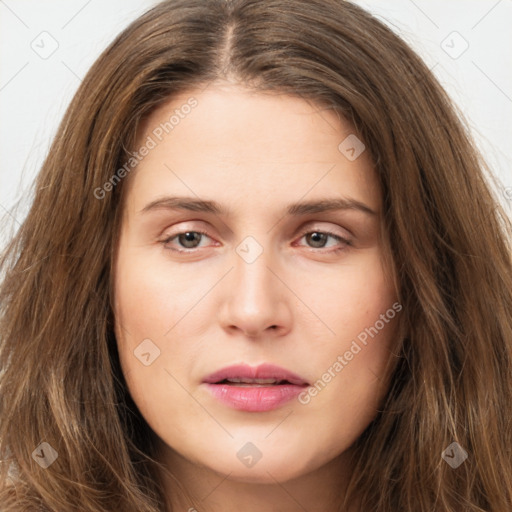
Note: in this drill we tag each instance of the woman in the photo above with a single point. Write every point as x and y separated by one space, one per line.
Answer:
263 269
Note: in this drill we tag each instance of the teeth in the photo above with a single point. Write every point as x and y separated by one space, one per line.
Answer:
253 381
244 385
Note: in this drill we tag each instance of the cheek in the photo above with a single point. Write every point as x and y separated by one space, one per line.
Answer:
143 314
144 299
152 307
350 299
357 305
154 300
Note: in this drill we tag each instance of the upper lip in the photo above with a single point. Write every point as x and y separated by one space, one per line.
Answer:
249 373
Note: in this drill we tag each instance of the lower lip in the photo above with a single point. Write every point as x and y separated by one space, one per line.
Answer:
255 398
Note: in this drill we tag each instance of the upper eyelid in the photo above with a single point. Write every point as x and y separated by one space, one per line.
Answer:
310 226
333 231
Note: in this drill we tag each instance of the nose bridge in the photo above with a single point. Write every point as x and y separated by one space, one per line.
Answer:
254 301
254 280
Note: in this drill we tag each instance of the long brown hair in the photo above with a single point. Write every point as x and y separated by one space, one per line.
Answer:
449 240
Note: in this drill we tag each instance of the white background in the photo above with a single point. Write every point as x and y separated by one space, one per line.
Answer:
35 91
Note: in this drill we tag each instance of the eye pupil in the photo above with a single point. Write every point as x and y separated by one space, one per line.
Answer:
189 237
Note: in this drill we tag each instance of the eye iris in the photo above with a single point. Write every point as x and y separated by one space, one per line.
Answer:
189 237
314 236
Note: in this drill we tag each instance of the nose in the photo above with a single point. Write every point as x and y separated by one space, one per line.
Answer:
255 301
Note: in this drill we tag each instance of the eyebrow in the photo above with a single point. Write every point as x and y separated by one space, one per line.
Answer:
294 209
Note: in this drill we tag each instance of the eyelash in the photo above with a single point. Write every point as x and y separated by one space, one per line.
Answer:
345 241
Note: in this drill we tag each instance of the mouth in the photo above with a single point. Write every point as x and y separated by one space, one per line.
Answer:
254 389
265 374
254 382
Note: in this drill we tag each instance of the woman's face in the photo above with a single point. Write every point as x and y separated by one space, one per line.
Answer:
251 237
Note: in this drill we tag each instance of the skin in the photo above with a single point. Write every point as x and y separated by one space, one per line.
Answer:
254 154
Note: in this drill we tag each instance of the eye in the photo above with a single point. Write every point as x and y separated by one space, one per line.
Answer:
187 240
190 240
318 239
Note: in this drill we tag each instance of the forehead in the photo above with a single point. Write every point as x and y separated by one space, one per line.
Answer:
242 143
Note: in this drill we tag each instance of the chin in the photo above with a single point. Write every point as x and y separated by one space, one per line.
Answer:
278 466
